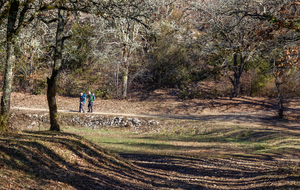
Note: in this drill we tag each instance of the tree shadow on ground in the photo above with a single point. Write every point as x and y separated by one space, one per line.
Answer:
240 118
77 163
32 156
100 171
240 105
216 173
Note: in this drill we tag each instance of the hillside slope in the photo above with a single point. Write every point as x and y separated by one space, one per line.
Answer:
45 160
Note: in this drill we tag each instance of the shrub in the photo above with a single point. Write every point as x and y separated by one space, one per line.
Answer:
262 79
103 92
189 92
40 87
260 85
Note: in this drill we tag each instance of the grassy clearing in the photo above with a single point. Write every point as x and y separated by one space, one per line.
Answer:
194 138
216 155
178 155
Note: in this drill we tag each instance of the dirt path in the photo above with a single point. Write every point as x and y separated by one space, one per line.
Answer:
239 116
163 104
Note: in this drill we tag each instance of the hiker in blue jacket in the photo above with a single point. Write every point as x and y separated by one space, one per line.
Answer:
81 102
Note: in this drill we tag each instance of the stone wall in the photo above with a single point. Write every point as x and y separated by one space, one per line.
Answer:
35 121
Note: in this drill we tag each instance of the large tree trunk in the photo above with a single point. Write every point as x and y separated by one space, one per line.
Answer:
125 82
236 86
51 92
280 99
7 86
8 75
117 79
279 95
126 53
238 70
236 79
30 81
53 81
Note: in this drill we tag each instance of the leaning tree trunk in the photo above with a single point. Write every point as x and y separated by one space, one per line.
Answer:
8 75
53 81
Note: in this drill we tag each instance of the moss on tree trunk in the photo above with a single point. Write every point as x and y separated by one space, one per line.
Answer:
7 87
9 65
51 92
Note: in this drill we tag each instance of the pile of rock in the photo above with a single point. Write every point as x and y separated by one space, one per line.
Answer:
35 121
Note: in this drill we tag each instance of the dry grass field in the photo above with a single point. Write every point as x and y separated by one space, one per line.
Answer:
199 144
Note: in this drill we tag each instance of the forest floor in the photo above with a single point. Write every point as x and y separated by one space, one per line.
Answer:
219 143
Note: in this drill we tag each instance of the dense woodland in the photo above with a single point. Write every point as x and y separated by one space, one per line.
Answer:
118 47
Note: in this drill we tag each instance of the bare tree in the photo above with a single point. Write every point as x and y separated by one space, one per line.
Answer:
126 33
239 31
231 34
282 50
122 10
30 45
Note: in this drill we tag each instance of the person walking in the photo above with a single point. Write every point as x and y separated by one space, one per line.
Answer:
81 102
91 101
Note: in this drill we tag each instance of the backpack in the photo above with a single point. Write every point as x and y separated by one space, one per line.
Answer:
94 97
84 97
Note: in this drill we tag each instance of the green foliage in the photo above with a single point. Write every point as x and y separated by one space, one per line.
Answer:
174 65
103 92
78 46
291 82
3 123
259 84
215 61
262 78
260 146
70 88
40 87
20 75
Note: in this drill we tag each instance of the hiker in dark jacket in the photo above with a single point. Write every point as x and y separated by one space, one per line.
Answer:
91 101
81 102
